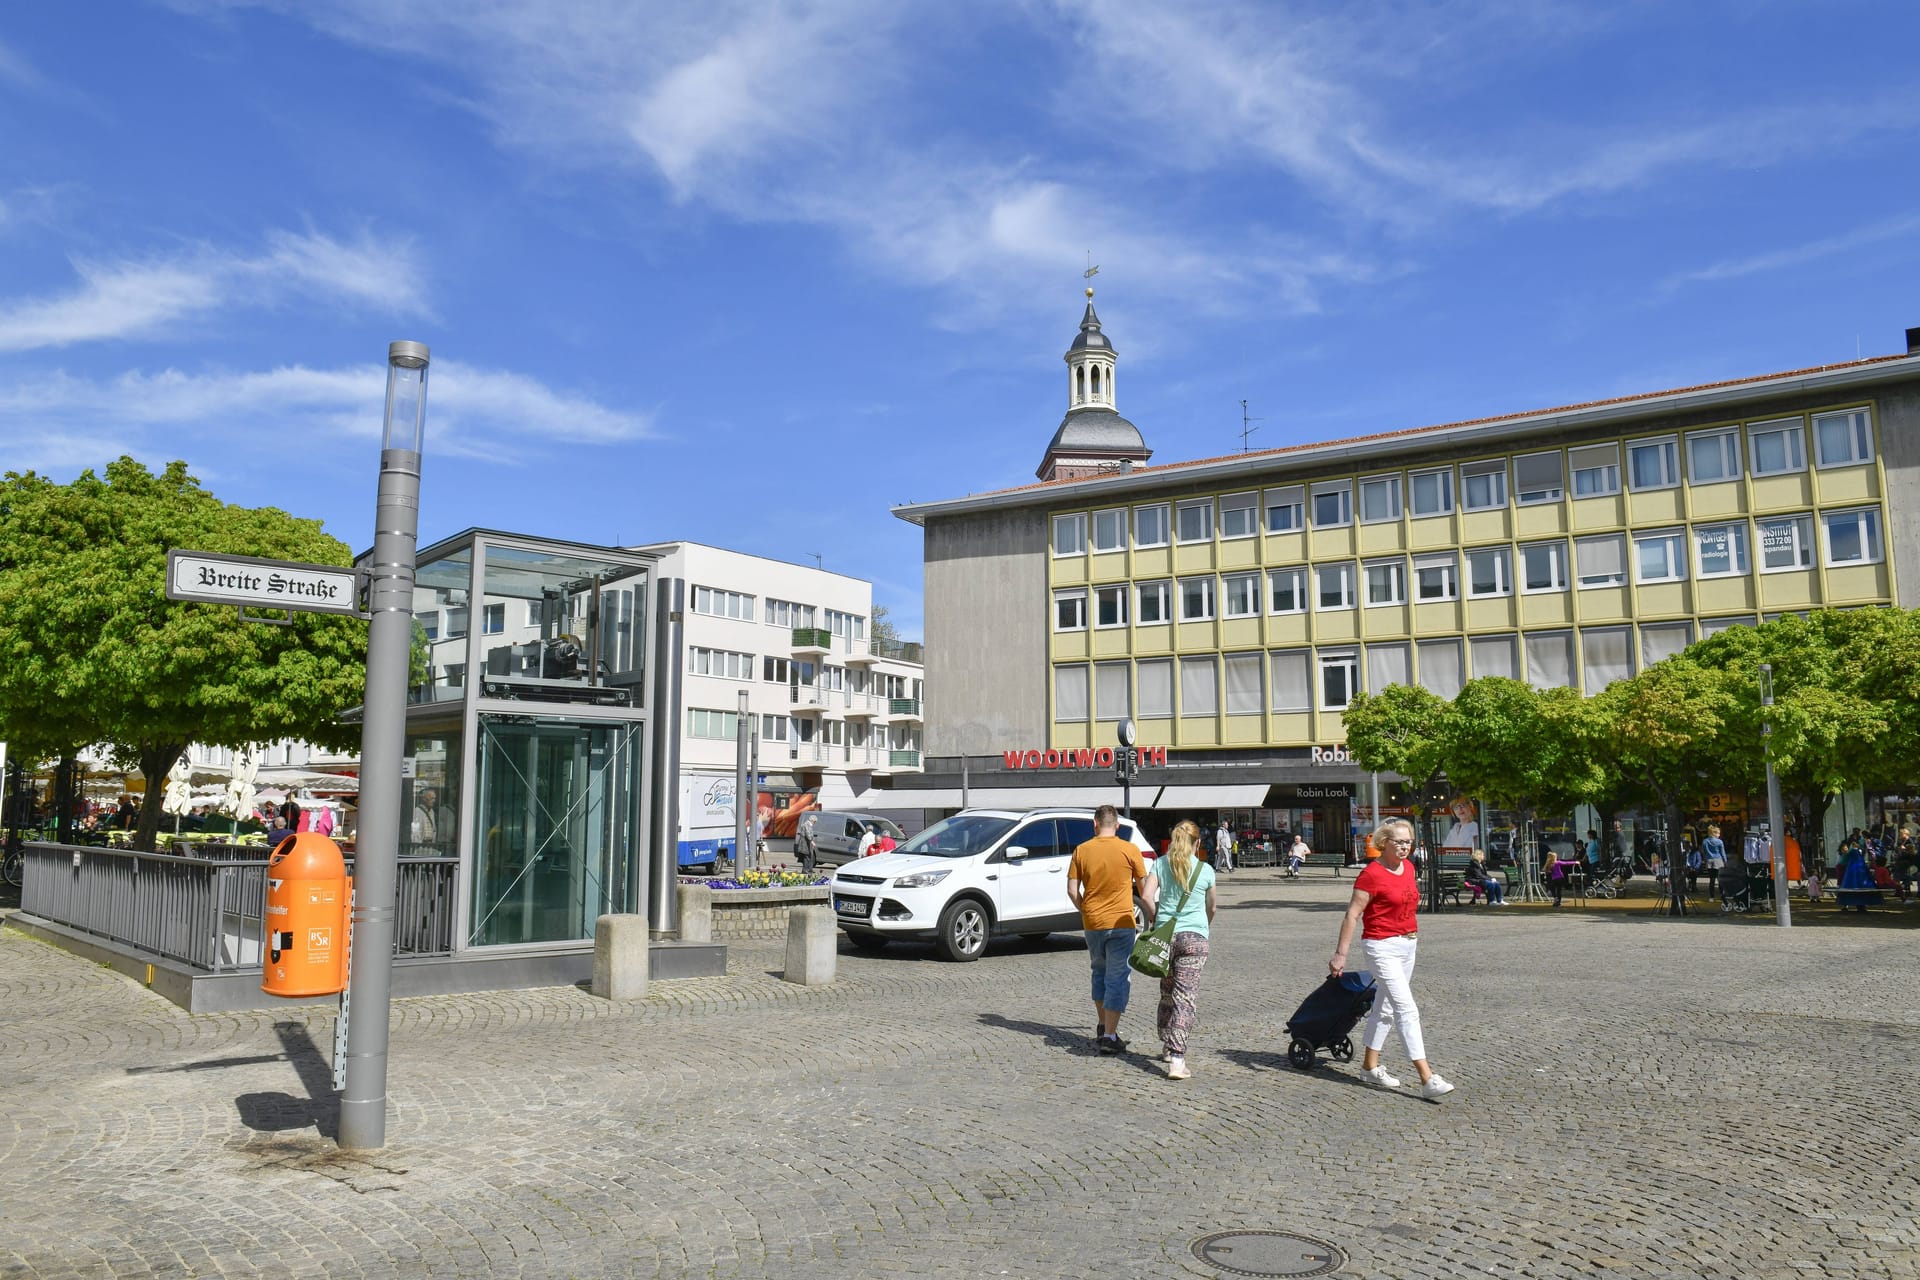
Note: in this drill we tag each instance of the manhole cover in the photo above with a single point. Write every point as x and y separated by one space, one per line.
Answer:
1268 1253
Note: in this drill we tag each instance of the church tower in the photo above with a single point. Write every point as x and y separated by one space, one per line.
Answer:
1093 437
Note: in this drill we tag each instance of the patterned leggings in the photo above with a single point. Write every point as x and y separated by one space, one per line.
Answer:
1177 990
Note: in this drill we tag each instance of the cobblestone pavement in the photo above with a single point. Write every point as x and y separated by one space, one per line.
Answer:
1637 1097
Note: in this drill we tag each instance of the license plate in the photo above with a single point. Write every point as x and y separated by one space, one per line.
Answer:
852 906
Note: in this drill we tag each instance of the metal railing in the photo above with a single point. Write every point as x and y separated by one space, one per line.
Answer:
207 910
903 759
903 706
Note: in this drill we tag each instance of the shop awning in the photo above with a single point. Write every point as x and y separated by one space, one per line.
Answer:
1229 795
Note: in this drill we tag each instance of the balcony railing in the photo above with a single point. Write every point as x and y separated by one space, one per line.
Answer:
904 650
903 706
812 638
904 759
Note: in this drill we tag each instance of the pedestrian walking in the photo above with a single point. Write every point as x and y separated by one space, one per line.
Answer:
1384 908
803 841
1102 878
1188 890
1223 847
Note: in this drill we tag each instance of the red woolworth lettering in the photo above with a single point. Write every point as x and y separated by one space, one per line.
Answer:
1014 759
1031 760
1153 755
1103 758
1051 760
1083 758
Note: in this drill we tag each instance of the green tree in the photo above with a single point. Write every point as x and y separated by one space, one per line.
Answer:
881 631
92 651
1522 748
1402 729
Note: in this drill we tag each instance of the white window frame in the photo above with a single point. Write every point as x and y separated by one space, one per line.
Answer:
1067 670
1341 489
1247 582
1345 569
1503 556
1246 505
1306 670
1867 521
1212 598
1396 508
1396 580
1619 580
1859 439
1676 541
493 618
1559 549
1727 446
1669 447
1140 685
1737 541
1441 476
1077 595
1208 662
1327 662
1165 515
1231 662
1540 496
1300 589
1180 509
1110 669
1803 540
1292 498
1496 472
1163 589
1077 524
1609 471
1119 592
1117 516
1794 428
1448 563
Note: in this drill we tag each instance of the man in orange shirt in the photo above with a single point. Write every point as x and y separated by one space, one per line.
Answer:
1102 879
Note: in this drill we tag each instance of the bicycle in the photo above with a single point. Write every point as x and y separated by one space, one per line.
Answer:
13 866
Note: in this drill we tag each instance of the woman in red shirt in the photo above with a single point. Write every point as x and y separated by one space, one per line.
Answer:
1385 900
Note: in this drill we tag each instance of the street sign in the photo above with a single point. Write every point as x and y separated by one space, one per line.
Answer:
267 584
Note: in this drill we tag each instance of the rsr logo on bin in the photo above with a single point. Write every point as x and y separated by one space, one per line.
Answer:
319 939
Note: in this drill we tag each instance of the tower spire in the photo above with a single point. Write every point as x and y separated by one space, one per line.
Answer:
1093 437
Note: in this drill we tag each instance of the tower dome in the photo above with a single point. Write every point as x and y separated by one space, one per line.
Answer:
1093 437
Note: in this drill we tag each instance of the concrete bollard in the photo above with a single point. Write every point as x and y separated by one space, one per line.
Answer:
696 913
620 957
813 946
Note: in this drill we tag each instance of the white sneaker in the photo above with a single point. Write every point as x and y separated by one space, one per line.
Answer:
1435 1087
1379 1076
1177 1069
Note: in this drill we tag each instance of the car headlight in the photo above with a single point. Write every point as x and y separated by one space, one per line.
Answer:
921 879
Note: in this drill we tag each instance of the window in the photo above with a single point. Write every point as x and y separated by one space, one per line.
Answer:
775 729
785 613
1786 542
1659 557
1596 470
1537 477
1841 439
1387 582
1608 654
1601 562
1776 447
1110 606
429 624
493 619
1436 577
1070 534
1432 492
1245 697
1069 611
1287 591
1196 599
1332 504
721 662
1292 687
1488 572
1194 520
1069 693
775 670
1663 641
1240 595
712 724
1543 566
1853 537
1109 530
1494 656
1239 515
1440 667
726 604
850 625
1334 583
1654 464
1380 499
1720 550
1284 514
1713 457
1155 688
1112 691
1150 526
1339 680
1550 660
1387 664
1199 687
1155 605
1483 485
456 622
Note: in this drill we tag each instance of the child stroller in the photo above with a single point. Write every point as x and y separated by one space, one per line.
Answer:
1326 1018
1734 894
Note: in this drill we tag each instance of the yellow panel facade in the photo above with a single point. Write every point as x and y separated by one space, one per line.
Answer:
1486 526
1285 548
1546 609
1336 627
1604 604
1382 539
1193 557
1199 731
1858 584
1284 629
1381 622
1239 553
1069 645
1153 733
1195 637
1782 493
1432 533
1847 486
1111 641
1789 591
1725 595
1240 633
1152 562
1593 514
1109 566
1665 599
1438 618
1495 613
1541 520
1711 500
1072 734
1069 571
1332 544
1153 639
1656 506
1246 731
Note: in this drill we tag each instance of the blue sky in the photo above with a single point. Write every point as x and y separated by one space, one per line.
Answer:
751 273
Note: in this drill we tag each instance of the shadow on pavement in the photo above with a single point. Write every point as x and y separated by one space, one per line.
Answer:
279 1112
1076 1042
1271 904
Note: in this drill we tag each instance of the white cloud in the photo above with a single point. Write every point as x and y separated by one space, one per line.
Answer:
1797 255
144 299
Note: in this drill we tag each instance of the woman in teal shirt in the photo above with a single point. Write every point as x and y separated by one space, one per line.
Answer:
1188 878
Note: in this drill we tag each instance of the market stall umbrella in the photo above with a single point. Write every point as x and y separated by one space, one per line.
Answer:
240 793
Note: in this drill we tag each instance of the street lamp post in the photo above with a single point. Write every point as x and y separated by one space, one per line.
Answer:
1125 763
1776 828
383 741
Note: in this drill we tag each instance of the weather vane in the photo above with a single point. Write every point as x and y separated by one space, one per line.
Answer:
1091 270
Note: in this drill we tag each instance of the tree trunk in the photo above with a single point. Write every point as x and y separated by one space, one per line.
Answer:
156 761
64 792
1813 840
1676 864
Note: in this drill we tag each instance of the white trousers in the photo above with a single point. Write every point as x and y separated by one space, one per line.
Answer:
1391 960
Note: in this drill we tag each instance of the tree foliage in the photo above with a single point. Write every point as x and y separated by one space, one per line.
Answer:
92 651
1402 729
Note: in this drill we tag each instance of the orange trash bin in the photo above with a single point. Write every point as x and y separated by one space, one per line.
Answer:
306 918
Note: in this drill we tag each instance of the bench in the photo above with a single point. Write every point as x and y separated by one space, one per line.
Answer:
1453 877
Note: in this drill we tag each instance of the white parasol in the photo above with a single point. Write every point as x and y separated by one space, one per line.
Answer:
240 793
179 797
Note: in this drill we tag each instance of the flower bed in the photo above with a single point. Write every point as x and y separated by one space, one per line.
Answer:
778 878
754 906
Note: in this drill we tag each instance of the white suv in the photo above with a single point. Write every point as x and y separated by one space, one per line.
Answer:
977 873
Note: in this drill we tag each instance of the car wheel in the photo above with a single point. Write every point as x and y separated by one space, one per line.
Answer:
868 941
963 930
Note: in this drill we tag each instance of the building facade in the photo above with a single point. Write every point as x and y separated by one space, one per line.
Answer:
1232 607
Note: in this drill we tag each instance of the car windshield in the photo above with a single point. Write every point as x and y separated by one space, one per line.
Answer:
960 836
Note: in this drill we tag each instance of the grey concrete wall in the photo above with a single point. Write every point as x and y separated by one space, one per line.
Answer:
986 631
1899 414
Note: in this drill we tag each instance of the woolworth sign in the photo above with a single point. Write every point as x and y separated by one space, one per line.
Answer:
266 584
